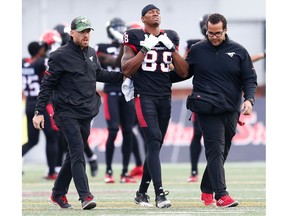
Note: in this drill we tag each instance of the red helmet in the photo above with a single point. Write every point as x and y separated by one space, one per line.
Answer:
135 25
52 38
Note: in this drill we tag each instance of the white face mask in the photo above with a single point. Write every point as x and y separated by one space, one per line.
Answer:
53 47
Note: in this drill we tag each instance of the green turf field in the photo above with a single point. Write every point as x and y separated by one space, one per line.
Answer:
245 182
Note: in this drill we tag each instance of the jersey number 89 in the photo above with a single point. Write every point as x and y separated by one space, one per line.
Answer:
150 61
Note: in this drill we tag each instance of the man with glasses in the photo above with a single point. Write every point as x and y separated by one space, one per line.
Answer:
223 72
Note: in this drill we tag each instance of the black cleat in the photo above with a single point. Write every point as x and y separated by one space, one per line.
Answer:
88 203
162 201
142 199
60 201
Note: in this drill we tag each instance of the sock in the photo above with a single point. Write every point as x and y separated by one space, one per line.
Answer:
93 157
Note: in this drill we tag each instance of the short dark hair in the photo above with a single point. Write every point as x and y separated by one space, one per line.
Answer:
34 47
216 18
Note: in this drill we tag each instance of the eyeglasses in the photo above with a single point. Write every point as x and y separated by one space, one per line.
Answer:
217 34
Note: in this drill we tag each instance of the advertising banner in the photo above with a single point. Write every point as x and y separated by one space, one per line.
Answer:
248 144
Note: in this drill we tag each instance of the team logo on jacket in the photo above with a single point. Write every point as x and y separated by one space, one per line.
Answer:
91 58
231 54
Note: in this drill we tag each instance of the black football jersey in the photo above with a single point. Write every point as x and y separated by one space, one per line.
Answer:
113 50
152 77
32 74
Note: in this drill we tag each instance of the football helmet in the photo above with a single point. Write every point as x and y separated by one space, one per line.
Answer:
64 31
116 24
135 25
53 40
203 24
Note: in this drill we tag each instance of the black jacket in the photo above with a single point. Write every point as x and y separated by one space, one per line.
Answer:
71 76
225 71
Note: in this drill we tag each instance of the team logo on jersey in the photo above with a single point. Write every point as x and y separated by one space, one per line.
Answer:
91 58
231 54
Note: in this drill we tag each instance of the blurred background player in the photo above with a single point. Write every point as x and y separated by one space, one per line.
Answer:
137 171
195 145
64 31
51 37
118 112
258 56
32 72
53 40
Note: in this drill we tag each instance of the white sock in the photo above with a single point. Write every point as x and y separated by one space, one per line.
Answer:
93 157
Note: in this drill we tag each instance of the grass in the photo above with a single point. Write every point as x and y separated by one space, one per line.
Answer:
245 182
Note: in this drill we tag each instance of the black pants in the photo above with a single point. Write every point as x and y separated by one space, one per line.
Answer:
218 131
195 146
62 149
119 113
33 136
153 117
76 133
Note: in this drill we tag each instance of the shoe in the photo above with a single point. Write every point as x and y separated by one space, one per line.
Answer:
137 177
208 199
136 171
226 201
109 178
51 177
88 203
162 201
93 167
127 179
142 199
60 201
193 178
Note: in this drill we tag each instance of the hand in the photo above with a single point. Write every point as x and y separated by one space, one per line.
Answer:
246 107
149 42
38 121
116 34
167 42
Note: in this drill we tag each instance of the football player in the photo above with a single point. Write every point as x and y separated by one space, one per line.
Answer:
147 59
118 112
33 69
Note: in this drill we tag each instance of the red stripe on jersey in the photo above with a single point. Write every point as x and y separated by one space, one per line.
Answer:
105 105
99 53
47 73
139 113
177 48
132 47
28 60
